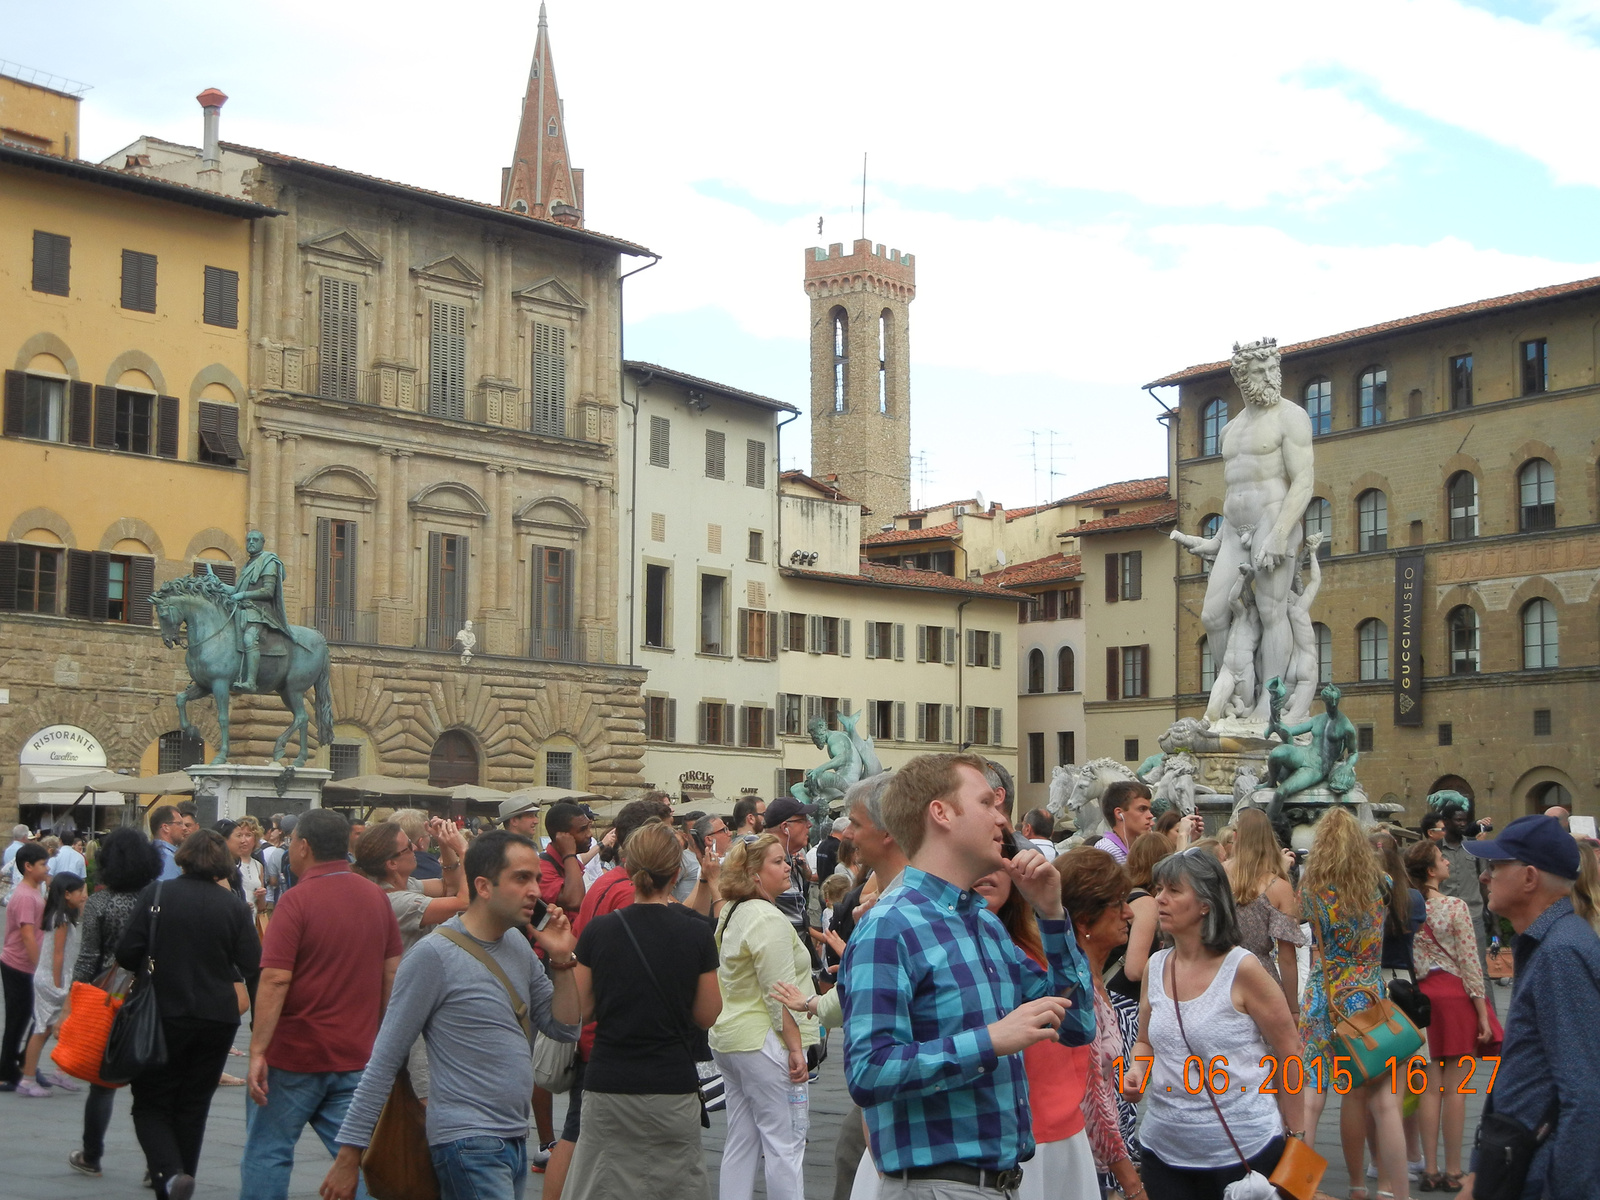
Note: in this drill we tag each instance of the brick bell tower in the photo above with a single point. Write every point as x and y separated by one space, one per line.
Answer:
861 372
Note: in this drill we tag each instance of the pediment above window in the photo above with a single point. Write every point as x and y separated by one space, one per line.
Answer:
451 500
552 512
452 270
343 246
550 293
342 484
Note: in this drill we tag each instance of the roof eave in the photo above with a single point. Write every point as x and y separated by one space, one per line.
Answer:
143 185
637 368
866 581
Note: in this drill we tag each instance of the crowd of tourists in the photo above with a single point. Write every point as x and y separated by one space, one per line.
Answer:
1147 1013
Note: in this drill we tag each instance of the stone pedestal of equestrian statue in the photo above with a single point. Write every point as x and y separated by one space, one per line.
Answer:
258 790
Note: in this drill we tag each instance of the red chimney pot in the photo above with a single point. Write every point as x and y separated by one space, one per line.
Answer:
211 98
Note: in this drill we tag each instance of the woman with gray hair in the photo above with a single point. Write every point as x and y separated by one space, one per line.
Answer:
1208 998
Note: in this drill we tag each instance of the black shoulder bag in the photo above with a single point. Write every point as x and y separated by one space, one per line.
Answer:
136 1043
666 1007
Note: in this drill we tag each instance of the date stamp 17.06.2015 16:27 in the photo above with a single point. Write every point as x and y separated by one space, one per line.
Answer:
1292 1074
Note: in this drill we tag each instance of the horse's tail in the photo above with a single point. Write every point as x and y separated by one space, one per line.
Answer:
324 707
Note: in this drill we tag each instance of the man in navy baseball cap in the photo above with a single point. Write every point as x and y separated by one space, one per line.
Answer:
1550 1060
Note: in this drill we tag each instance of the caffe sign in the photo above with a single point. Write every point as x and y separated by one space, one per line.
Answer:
63 746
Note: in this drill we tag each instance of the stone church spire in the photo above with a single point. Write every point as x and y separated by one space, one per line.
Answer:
541 180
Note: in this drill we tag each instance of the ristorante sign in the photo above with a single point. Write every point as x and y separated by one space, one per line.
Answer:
1408 639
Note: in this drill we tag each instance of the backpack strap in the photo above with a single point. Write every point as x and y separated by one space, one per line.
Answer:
471 946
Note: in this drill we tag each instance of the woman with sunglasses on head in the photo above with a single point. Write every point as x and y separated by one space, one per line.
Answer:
1208 997
387 856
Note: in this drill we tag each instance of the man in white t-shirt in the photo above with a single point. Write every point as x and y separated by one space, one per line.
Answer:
68 858
1037 826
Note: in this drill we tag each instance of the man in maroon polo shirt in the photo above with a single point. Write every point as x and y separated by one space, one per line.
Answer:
327 965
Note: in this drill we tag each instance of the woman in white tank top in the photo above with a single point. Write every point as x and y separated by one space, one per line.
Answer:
1236 1035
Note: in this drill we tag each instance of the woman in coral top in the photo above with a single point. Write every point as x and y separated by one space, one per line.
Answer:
1463 1025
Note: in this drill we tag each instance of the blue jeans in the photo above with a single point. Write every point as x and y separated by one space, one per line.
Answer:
294 1099
481 1168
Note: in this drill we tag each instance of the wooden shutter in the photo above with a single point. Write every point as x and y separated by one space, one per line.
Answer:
844 636
996 737
772 635
783 631
80 420
435 583
899 720
1135 565
730 719
949 658
138 281
972 647
8 576
1112 582
660 442
167 426
222 297
949 722
701 736
970 723
716 454
1144 670
899 643
105 417
16 397
755 464
222 570
769 728
52 263
337 328
1113 672
872 639
550 381
447 360
80 583
672 720
99 585
814 634
141 582
325 564
744 632
922 643
994 650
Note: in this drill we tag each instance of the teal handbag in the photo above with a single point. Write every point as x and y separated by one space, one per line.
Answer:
1368 1039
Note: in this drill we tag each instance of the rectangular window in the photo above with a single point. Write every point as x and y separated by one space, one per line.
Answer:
558 768
755 464
882 723
790 721
1130 749
36 407
221 305
660 719
447 589
117 593
716 454
554 637
977 647
978 726
714 724
52 263
344 759
755 726
138 281
657 600
795 634
1032 610
135 422
826 636
1036 758
337 326
1131 579
929 723
1447 734
758 546
1541 722
219 434
336 580
1066 748
447 360
169 753
660 442
549 380
757 634
713 613
38 579
1135 671
1071 604
1461 381
1364 741
713 539
1535 366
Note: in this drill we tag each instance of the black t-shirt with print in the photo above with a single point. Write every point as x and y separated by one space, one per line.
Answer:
639 1043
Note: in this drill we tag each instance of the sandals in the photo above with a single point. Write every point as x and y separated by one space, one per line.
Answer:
1452 1181
1430 1181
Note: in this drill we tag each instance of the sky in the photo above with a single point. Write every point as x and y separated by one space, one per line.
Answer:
1096 194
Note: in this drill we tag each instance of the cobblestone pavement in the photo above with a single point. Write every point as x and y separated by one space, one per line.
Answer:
38 1135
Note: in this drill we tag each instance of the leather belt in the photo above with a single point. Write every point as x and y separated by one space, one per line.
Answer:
1001 1181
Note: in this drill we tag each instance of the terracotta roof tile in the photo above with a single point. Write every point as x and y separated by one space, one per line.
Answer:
1013 513
1154 488
970 502
1052 568
888 537
1149 517
1420 320
721 389
802 477
875 575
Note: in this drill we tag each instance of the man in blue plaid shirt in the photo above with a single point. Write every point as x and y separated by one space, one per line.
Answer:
939 1002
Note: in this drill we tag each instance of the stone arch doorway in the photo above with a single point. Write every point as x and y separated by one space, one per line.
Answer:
1453 783
1541 787
454 761
1544 795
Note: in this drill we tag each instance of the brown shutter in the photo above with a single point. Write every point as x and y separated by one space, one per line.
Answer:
1111 579
99 585
772 635
537 614
228 430
167 426
1136 575
769 728
52 262
744 632
222 570
1113 672
105 417
141 582
80 583
222 297
325 564
138 281
994 650
672 720
1144 670
16 397
80 421
8 576
435 584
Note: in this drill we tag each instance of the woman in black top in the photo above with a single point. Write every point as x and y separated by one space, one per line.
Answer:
204 943
651 994
125 863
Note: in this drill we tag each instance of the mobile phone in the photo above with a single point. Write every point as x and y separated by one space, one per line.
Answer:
1008 846
699 843
541 914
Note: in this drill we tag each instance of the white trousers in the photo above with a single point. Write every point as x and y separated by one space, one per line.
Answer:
756 1083
1061 1170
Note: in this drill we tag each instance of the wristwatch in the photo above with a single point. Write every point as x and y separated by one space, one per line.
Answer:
565 964
1295 1133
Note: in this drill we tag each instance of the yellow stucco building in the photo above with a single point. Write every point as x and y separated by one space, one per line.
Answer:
123 305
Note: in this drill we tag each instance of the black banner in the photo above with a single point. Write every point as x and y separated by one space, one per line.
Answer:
1408 639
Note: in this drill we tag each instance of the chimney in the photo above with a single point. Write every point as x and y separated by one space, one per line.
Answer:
211 100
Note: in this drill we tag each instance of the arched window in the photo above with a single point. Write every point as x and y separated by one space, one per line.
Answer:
1372 637
1541 636
1324 637
1536 485
883 360
1213 416
1372 397
1035 671
1208 666
841 357
1463 623
1372 520
1066 670
1209 525
1463 497
1319 519
1318 403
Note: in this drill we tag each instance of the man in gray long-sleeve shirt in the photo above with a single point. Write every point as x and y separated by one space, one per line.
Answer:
480 1062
